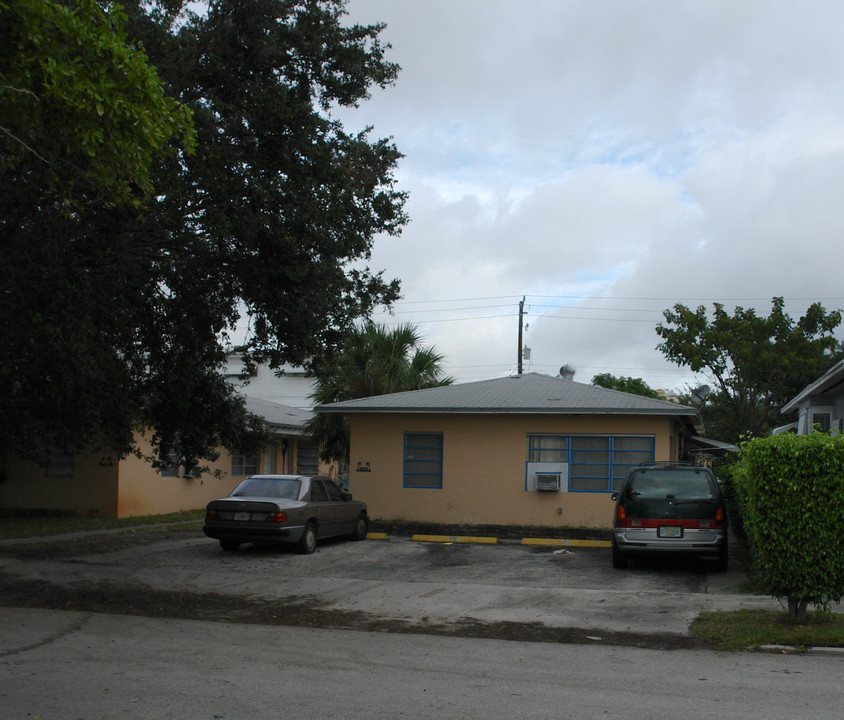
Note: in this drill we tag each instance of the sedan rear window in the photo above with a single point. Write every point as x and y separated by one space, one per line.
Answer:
680 484
269 488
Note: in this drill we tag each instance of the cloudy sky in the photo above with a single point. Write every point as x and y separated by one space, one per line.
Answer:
605 160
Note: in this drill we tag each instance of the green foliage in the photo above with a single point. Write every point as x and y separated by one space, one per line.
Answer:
373 360
117 315
726 469
791 495
81 108
756 363
635 386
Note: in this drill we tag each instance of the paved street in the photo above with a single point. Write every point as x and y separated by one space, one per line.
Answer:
58 665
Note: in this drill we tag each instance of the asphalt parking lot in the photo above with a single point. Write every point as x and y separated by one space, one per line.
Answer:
399 559
396 584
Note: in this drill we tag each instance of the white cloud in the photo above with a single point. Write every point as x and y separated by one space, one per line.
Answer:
638 154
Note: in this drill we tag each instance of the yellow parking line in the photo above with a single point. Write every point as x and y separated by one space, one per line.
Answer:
456 539
562 542
542 541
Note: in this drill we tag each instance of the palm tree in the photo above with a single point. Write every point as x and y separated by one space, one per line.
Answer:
373 360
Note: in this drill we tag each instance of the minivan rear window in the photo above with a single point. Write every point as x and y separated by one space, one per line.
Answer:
661 483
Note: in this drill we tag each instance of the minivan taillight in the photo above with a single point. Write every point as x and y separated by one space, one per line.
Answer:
719 517
621 516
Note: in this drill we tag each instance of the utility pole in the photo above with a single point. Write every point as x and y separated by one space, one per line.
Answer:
521 325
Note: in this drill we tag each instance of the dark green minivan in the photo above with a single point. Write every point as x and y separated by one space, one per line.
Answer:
669 508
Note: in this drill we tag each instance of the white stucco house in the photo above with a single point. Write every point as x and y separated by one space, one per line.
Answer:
819 405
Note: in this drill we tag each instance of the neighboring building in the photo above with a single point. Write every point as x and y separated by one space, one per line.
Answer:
292 387
103 484
669 395
526 450
291 390
820 404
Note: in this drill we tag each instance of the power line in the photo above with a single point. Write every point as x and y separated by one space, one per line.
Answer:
460 319
675 299
512 315
434 310
399 307
597 319
583 307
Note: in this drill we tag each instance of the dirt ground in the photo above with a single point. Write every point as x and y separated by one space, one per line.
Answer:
133 600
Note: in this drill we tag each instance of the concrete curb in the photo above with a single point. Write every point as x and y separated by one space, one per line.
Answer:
791 650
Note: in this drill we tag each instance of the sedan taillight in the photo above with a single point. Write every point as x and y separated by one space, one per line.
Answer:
211 515
277 517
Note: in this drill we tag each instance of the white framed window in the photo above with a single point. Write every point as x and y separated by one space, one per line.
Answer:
171 470
269 460
587 463
821 418
244 464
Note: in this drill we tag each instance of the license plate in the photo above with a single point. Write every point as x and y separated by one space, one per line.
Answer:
241 516
670 531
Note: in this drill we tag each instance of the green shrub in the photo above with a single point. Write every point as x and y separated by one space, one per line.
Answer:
791 495
726 472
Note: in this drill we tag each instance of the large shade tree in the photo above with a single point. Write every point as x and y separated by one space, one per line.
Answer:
634 386
373 360
83 114
756 363
122 295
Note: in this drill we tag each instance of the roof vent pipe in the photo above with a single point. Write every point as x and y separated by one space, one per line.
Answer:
567 372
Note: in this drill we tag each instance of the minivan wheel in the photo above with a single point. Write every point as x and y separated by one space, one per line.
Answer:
722 563
619 561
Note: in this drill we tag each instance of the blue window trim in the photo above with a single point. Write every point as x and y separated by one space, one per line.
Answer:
613 469
406 475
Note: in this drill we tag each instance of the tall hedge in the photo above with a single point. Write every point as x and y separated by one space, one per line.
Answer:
791 494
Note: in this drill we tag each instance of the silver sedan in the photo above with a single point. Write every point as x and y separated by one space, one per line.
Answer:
294 509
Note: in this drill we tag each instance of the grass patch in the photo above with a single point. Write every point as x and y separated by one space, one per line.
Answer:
34 524
750 629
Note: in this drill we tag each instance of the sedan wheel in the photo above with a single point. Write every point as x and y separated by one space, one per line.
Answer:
307 543
361 528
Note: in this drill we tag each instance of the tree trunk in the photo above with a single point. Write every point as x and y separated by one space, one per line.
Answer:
797 609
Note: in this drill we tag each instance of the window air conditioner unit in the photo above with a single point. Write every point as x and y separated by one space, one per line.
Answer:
548 482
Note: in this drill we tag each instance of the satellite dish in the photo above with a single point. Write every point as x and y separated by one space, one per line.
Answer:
699 394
